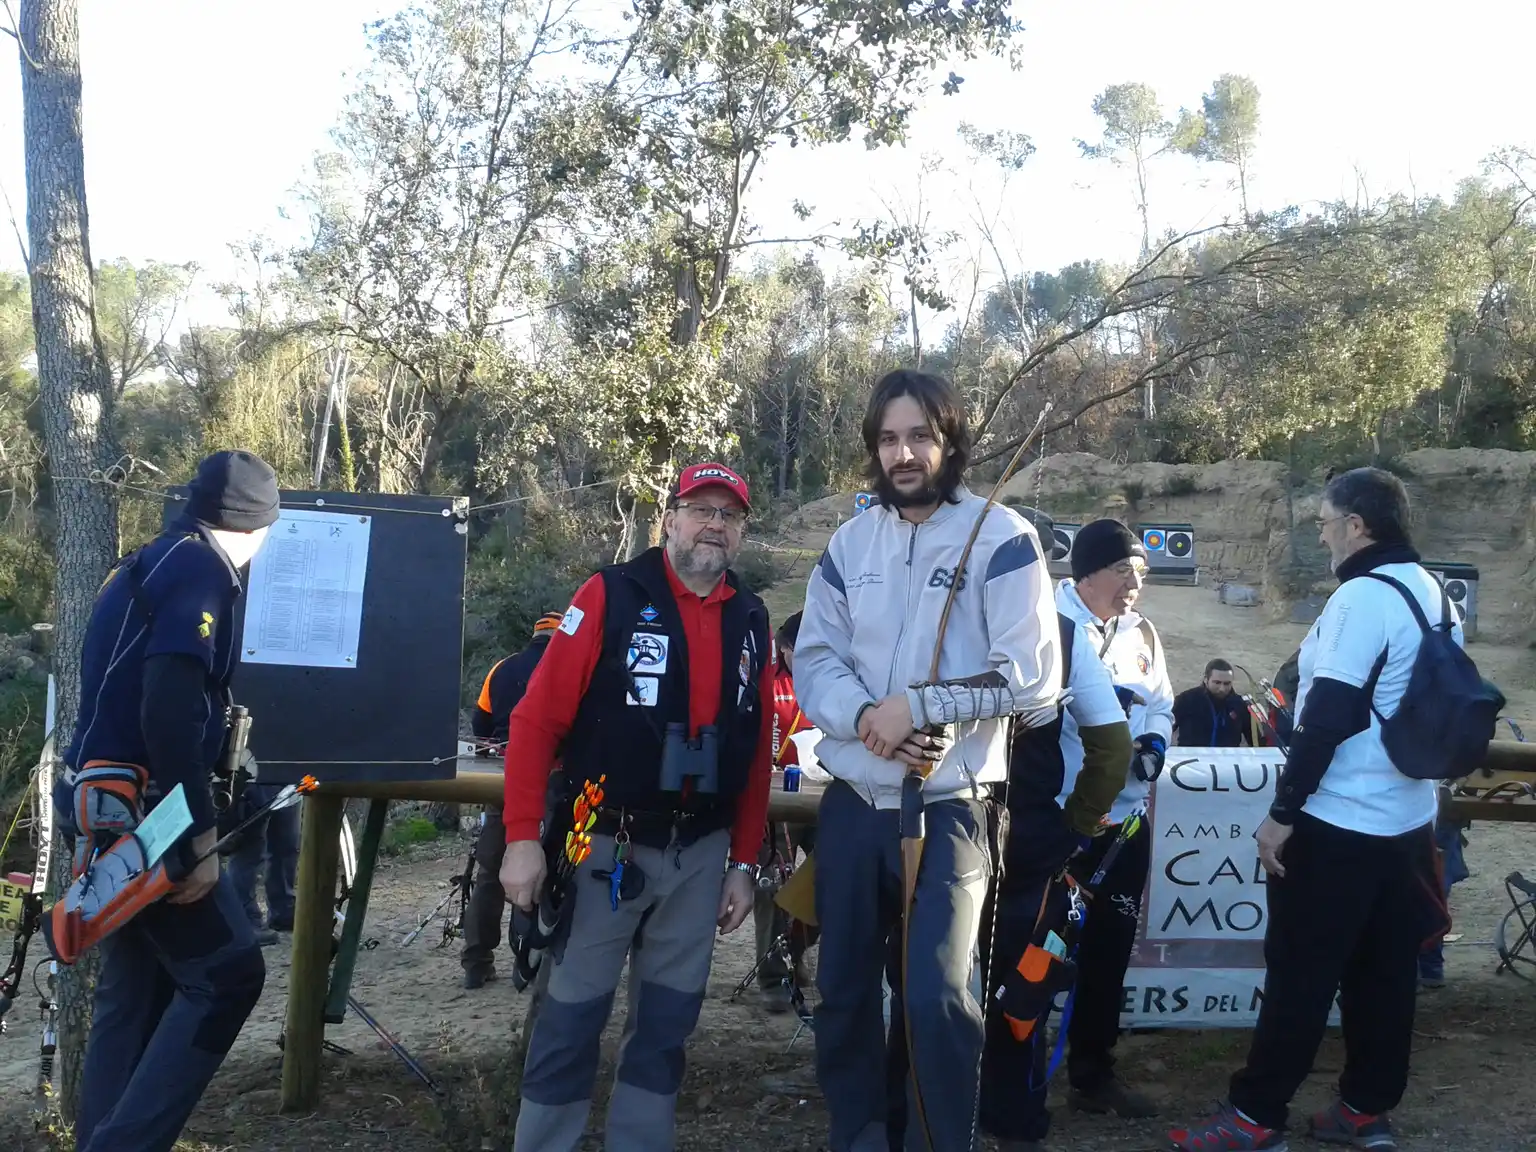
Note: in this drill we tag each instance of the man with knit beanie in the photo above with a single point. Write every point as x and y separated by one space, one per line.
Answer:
1109 565
179 979
503 688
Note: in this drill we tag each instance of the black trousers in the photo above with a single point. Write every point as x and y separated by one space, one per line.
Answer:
1349 917
1104 953
1013 1072
487 900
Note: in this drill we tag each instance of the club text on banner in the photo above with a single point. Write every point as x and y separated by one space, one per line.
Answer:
1199 958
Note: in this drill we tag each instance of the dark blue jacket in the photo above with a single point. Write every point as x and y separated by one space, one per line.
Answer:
175 596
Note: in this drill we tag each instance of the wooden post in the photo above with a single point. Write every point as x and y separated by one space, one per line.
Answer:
304 1035
357 911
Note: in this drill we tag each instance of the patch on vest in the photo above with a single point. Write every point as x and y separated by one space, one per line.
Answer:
650 691
649 614
1144 662
648 652
744 666
571 620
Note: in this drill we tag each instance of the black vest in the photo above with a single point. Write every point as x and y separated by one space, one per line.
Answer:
645 657
1038 836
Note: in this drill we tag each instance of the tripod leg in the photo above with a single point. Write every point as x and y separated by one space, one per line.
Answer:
779 947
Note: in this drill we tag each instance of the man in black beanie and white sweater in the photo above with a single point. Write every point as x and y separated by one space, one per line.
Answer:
1109 566
178 979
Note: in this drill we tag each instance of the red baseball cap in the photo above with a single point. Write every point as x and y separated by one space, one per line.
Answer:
697 477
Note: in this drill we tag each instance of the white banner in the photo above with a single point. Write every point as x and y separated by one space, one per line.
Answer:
1199 958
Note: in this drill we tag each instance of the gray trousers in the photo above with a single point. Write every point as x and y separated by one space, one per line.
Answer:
668 933
858 901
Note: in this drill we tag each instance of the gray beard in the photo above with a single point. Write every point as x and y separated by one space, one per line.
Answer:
701 560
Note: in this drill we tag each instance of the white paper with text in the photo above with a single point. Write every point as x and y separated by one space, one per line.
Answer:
304 605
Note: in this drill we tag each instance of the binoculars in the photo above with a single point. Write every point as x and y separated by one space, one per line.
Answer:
683 759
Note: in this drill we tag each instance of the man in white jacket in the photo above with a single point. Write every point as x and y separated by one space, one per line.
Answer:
862 669
1109 564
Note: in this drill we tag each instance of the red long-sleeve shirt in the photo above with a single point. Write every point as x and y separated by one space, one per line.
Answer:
787 718
548 709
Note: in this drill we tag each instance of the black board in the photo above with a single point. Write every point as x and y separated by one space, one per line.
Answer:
395 714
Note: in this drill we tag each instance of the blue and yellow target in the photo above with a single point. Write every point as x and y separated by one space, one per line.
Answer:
862 501
1152 540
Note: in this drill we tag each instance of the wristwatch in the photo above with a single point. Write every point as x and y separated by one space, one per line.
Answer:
738 866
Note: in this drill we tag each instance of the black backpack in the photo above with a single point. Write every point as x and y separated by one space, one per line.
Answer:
1446 718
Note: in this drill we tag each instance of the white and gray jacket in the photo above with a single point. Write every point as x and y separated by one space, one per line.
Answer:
1132 650
871 617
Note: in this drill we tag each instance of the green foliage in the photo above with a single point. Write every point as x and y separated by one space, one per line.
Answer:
530 562
26 581
135 309
1225 130
406 832
759 569
1133 123
23 700
1180 485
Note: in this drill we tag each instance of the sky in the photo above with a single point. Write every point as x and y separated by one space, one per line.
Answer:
201 116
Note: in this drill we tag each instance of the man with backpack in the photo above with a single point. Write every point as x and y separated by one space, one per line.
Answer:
1388 704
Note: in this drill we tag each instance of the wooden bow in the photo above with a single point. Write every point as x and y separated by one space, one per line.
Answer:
913 824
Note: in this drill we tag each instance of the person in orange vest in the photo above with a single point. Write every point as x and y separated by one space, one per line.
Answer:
503 689
783 841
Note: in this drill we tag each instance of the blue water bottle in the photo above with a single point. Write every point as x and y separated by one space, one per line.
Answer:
792 778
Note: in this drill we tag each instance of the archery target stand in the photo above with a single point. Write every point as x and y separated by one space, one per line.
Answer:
1460 583
1170 553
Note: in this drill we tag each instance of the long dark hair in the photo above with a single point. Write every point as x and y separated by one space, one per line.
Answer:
945 412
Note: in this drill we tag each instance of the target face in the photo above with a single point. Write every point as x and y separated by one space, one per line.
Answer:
1062 546
1456 591
862 501
1152 540
1180 544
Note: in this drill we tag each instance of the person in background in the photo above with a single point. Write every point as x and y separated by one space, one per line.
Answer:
1348 846
271 841
658 682
783 841
1109 565
503 689
1450 840
1212 715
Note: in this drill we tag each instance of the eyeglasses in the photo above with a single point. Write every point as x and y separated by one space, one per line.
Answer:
1321 523
705 513
1128 568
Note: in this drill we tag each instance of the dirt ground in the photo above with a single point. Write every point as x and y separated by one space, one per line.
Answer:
748 1089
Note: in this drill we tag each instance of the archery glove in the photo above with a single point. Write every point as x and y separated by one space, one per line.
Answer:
1128 698
1149 751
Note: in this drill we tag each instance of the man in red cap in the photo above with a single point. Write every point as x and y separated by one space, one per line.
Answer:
658 684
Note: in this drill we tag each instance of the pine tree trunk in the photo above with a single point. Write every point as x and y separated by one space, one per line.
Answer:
75 389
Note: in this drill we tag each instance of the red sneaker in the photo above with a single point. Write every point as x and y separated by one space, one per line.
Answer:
1341 1124
1227 1130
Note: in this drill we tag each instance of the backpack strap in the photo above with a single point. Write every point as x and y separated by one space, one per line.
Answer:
1418 615
1447 620
1149 634
1068 629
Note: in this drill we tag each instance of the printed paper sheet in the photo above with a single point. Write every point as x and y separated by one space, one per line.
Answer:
304 605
